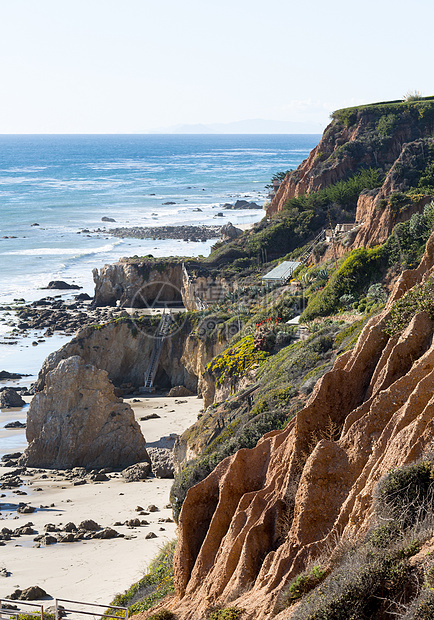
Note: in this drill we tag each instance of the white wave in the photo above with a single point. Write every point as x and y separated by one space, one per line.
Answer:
74 252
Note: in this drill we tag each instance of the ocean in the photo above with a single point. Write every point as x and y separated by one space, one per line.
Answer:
52 187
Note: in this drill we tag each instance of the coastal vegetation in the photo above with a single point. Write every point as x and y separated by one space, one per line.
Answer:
155 585
378 578
343 193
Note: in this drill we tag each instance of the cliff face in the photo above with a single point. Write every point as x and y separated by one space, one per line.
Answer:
263 514
378 218
138 284
144 284
123 350
368 136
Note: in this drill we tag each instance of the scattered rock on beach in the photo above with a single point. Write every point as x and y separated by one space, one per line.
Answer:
89 525
9 398
12 456
107 219
179 390
62 286
45 539
10 483
16 424
83 297
34 593
25 509
106 534
137 472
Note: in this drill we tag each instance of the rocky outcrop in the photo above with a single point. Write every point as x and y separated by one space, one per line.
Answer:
264 514
377 215
241 204
187 232
229 232
62 286
138 283
142 283
162 462
115 347
10 398
77 421
366 136
123 349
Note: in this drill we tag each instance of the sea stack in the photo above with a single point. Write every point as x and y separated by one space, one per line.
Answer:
77 421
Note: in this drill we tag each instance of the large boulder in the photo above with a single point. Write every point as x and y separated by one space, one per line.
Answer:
229 232
162 462
60 285
10 398
180 390
77 421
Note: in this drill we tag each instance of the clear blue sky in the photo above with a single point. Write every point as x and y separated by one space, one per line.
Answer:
115 66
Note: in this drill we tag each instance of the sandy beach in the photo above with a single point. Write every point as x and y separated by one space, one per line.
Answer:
92 570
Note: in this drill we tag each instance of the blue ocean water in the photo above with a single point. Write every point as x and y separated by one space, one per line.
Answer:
66 183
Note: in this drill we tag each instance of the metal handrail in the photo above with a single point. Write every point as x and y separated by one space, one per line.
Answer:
11 612
88 613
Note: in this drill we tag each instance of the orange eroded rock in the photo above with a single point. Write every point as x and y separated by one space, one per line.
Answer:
265 513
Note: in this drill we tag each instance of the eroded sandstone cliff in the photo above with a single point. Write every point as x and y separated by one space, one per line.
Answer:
123 348
394 139
141 283
366 136
263 514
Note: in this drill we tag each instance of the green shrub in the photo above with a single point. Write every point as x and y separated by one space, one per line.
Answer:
303 584
355 274
229 613
406 493
418 299
163 614
406 245
384 535
344 193
386 124
154 586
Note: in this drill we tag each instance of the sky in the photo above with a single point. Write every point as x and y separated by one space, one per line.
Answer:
127 66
